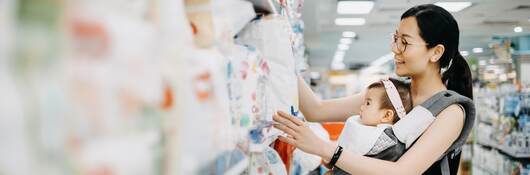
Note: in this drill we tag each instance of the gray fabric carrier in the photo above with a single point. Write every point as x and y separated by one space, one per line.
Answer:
436 104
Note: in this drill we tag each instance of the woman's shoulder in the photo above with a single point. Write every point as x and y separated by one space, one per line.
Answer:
447 101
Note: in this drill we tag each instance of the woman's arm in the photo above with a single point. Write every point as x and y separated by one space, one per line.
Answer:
317 110
429 147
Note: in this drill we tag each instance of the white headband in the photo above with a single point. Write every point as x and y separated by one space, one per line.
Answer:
393 95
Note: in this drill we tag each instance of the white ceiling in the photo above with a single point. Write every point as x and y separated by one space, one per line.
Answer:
478 23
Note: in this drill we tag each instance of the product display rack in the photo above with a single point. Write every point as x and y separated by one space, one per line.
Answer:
501 138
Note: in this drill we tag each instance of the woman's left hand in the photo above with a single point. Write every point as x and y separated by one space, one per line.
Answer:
301 136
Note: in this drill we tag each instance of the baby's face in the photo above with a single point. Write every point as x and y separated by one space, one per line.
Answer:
371 112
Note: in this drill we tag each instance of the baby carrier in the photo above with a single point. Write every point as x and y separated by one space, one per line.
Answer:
407 130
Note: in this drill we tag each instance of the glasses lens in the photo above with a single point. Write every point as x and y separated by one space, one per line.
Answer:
396 40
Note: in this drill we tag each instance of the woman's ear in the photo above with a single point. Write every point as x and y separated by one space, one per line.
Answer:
438 51
388 117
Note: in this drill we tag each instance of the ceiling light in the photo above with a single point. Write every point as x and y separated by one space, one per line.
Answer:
355 7
337 65
453 6
518 29
478 50
349 34
343 47
338 58
464 53
350 21
339 55
345 40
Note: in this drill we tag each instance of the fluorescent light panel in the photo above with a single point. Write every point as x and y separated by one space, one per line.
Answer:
453 6
348 34
339 55
343 47
340 52
338 58
345 40
478 50
350 21
355 7
518 29
338 65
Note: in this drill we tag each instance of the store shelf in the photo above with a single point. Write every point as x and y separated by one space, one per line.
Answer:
520 154
484 170
261 147
239 167
265 5
232 20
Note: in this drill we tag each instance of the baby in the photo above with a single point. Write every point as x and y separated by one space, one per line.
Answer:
377 107
385 102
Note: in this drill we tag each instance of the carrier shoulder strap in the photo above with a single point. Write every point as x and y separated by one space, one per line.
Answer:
408 129
411 127
444 99
424 115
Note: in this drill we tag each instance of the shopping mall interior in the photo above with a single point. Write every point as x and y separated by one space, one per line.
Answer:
178 87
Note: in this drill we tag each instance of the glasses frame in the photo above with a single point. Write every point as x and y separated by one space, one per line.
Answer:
394 43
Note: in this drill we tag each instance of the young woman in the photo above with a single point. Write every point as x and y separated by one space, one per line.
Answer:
425 41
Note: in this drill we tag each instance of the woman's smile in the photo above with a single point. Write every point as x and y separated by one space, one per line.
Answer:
398 62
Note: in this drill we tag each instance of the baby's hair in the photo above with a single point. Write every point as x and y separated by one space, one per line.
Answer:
404 94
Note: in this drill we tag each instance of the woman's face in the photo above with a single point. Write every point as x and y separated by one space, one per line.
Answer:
411 52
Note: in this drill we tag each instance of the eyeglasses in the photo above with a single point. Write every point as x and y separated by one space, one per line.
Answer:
401 44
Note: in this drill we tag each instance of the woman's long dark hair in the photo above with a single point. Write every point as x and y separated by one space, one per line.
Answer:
438 26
